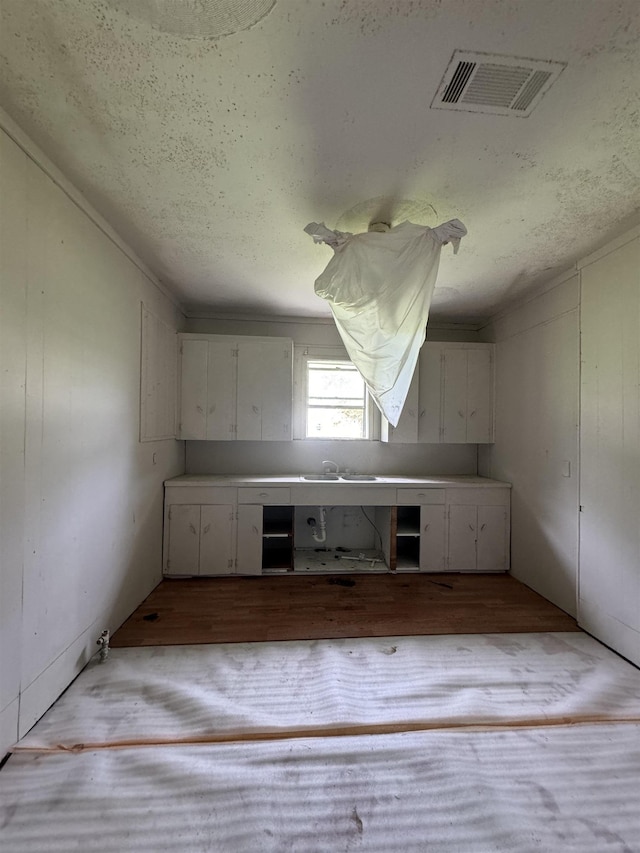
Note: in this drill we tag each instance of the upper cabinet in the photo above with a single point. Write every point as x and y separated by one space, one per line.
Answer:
235 388
407 430
467 394
451 397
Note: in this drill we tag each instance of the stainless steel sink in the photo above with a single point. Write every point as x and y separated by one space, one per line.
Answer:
320 477
358 477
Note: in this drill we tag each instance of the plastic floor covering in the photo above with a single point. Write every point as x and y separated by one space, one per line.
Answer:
465 743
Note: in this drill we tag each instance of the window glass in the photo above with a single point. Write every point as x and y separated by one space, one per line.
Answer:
336 400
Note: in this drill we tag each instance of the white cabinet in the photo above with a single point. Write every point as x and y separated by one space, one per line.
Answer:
450 399
467 384
217 530
240 528
456 393
407 430
249 538
213 539
235 388
478 530
200 539
433 538
427 516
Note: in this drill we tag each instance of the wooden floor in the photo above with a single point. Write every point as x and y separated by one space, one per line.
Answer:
232 609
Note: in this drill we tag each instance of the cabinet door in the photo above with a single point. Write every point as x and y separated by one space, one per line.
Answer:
217 539
463 521
265 390
193 390
430 394
455 397
249 551
479 396
493 539
432 538
407 430
221 390
183 555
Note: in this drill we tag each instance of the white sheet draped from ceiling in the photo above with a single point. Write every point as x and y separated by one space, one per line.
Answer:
379 287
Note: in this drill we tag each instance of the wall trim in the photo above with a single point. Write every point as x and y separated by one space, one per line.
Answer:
211 314
40 159
518 304
611 246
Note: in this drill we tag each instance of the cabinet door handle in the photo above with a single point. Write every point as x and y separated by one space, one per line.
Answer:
461 414
482 526
255 409
263 495
471 527
192 529
472 413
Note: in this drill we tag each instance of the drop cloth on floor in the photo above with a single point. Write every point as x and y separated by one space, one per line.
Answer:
188 692
574 789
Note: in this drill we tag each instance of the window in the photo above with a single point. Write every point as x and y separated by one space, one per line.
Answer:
336 400
332 401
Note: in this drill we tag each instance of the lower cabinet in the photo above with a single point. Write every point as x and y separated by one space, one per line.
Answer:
220 531
200 539
433 539
478 530
425 514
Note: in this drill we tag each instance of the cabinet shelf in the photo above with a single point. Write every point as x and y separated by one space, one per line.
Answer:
277 538
277 528
407 530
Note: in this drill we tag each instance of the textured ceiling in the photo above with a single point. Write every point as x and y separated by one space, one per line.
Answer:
209 153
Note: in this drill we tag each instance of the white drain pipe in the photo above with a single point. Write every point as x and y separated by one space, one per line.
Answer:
319 532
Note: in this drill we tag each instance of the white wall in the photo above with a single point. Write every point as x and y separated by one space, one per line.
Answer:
609 589
536 446
244 457
81 498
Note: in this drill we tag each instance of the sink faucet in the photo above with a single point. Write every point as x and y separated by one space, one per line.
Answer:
328 466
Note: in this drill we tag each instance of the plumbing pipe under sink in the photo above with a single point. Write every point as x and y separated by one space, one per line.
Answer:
319 529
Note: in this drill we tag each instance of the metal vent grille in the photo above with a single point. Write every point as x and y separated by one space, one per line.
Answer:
503 85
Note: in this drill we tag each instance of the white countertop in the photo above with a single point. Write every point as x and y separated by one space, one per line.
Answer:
434 482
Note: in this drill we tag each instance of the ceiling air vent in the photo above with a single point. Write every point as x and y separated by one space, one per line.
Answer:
503 85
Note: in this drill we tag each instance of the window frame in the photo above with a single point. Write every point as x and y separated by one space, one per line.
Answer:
302 356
